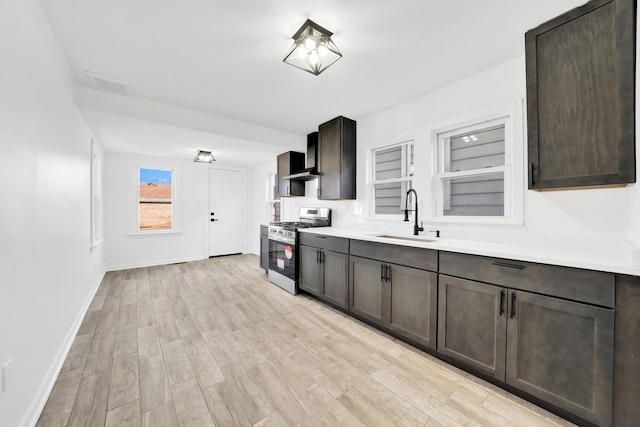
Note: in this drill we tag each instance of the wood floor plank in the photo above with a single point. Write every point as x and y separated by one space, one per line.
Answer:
127 317
124 416
204 365
154 383
60 403
78 353
145 315
100 354
176 362
126 342
91 403
148 342
163 416
191 408
124 385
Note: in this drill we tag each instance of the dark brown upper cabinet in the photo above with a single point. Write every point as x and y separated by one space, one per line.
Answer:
337 159
289 163
581 97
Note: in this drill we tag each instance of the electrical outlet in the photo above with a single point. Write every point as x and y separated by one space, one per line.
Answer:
6 375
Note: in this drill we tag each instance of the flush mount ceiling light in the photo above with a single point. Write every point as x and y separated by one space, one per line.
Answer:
313 50
204 157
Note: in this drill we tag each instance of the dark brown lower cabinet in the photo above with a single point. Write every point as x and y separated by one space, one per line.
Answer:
472 325
557 350
398 298
562 352
324 273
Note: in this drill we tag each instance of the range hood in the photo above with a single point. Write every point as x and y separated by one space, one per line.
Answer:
311 172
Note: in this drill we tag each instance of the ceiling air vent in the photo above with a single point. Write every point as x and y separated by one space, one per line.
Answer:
108 84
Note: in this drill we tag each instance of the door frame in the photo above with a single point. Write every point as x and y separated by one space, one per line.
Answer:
207 208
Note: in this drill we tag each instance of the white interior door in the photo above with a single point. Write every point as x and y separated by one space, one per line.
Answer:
225 209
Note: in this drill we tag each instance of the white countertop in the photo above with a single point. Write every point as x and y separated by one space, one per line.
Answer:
614 261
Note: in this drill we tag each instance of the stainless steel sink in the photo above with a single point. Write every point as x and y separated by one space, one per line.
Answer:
410 238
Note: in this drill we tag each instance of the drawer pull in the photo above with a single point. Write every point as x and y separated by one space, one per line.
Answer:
513 305
502 296
506 264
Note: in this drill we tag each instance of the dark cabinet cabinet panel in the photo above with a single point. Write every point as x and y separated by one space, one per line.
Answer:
335 277
398 298
264 248
365 288
337 159
290 163
562 352
324 272
472 324
581 97
412 302
310 273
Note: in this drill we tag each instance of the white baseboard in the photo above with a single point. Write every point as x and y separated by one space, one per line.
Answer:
153 263
37 405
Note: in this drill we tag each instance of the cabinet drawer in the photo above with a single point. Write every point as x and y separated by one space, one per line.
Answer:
593 287
425 259
337 244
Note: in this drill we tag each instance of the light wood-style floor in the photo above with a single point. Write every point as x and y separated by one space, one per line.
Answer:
214 343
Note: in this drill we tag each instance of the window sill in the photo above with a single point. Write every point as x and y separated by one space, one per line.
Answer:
153 233
474 220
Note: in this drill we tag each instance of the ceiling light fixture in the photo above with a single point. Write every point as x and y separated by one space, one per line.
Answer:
313 50
204 157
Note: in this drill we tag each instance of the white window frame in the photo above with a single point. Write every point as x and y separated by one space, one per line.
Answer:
513 169
404 178
175 200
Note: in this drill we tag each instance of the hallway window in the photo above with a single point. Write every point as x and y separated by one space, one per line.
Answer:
155 199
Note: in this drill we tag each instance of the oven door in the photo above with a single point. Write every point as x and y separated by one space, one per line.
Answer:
282 258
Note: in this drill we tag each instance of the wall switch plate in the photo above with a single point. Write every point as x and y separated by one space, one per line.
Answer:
6 375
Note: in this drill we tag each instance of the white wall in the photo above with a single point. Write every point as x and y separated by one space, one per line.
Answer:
48 272
605 217
124 248
258 196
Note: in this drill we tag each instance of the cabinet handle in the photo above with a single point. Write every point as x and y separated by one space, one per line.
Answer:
502 295
321 257
506 264
317 256
288 191
383 268
388 273
533 176
513 305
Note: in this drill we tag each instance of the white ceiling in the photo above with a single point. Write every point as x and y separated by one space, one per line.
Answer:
224 58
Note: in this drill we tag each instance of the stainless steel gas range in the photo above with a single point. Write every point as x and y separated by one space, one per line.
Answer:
283 246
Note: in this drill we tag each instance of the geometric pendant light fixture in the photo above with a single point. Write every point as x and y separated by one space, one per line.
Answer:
204 157
313 50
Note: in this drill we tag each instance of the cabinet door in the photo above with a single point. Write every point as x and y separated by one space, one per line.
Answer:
310 274
289 163
413 304
337 159
336 277
580 95
472 324
562 352
365 289
329 160
264 252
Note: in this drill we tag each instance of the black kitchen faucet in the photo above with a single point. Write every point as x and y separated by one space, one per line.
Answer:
416 229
